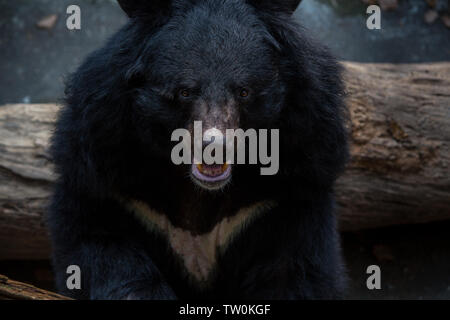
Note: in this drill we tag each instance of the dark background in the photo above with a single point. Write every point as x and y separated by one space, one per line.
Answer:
414 260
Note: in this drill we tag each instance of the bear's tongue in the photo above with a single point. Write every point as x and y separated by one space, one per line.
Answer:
213 170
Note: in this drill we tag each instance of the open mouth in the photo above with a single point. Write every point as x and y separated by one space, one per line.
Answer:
211 177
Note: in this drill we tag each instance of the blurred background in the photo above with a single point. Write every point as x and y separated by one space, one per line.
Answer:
37 52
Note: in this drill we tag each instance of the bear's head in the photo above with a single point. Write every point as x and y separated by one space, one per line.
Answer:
229 64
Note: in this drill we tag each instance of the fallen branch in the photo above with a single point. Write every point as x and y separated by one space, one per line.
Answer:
399 173
14 290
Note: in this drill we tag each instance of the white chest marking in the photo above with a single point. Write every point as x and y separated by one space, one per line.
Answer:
198 252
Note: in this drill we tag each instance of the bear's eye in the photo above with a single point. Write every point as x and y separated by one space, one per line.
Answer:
244 93
184 93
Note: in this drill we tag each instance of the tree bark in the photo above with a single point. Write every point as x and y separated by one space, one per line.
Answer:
399 173
26 178
400 130
14 290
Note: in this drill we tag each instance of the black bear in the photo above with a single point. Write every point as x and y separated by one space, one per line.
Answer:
141 227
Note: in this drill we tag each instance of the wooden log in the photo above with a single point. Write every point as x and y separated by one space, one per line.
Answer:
400 129
399 173
14 290
26 177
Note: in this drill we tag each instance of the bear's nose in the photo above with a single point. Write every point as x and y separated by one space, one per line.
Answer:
213 136
215 139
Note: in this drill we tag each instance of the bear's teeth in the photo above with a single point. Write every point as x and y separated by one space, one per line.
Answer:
212 170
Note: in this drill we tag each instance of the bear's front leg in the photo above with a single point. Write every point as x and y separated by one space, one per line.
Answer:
107 245
111 271
292 278
294 254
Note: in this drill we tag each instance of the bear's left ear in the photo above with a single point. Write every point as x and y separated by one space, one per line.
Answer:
135 8
286 6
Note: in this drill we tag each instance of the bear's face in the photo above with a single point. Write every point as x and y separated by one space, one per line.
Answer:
228 64
214 64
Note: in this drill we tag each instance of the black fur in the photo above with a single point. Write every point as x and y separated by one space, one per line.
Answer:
113 140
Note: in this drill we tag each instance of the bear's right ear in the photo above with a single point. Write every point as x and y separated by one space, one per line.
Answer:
134 8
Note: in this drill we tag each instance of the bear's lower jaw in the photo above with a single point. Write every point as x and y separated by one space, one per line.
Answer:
211 177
